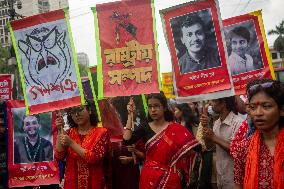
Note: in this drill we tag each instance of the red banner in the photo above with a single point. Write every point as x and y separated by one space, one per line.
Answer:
248 58
31 159
198 54
5 86
128 55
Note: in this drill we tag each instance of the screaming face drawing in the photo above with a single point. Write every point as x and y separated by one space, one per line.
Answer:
48 57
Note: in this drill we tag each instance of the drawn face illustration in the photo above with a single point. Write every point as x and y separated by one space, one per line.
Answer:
49 57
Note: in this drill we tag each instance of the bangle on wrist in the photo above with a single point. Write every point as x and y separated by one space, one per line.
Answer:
126 128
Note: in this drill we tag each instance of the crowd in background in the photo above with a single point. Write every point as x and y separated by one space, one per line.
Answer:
232 142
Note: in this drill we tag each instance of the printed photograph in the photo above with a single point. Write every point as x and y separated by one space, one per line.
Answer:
243 47
33 141
195 41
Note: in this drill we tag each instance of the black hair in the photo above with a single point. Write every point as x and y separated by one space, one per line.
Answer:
168 115
90 105
240 31
35 115
191 20
275 91
187 115
230 103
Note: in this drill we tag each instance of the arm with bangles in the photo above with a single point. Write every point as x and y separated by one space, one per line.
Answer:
127 134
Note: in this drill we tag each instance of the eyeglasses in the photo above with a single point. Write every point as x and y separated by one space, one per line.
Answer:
76 111
263 85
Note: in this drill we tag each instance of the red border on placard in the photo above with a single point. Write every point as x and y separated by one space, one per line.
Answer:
56 105
220 73
239 83
52 167
140 16
38 19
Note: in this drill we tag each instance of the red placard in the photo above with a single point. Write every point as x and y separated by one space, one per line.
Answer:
129 65
206 72
27 168
248 59
5 86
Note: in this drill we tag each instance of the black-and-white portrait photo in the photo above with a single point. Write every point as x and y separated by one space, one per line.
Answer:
195 41
243 47
32 137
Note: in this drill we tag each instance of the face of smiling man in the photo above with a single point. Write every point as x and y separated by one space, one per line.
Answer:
193 37
31 126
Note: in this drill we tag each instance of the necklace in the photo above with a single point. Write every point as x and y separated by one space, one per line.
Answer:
29 151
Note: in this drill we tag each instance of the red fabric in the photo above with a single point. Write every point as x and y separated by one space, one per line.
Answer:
239 151
87 172
163 152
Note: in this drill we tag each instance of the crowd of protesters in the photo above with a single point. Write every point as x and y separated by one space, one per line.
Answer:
232 142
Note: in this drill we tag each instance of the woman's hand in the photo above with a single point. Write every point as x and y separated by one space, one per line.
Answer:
59 122
125 159
65 140
131 106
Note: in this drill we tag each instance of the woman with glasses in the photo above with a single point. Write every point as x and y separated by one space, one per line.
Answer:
259 154
167 143
86 148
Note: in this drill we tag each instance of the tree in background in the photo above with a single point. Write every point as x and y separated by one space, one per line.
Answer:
279 42
4 56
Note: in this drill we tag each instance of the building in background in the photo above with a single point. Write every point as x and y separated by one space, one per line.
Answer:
33 7
27 8
83 59
278 63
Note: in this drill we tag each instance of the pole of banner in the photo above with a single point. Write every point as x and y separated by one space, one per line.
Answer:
132 127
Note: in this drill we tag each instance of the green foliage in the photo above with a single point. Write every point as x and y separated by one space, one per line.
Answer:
4 56
279 42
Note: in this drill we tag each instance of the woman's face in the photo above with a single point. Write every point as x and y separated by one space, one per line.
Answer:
178 113
156 109
264 111
80 115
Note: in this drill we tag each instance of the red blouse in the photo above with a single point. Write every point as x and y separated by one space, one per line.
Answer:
87 172
239 150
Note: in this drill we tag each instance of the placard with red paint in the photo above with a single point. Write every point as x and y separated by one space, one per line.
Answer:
127 63
31 139
194 36
47 62
6 86
249 57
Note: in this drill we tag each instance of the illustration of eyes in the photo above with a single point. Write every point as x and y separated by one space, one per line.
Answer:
35 43
50 39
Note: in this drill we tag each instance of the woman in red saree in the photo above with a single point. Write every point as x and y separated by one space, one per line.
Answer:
168 145
258 149
86 148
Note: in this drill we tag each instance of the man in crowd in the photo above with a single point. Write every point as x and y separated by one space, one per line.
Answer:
224 130
32 147
197 56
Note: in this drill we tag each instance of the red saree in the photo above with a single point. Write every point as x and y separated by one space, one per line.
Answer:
163 153
87 172
251 180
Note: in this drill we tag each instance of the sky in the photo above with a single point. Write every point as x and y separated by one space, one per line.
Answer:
82 22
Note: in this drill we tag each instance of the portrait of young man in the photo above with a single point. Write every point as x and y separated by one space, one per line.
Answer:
243 48
30 146
195 42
